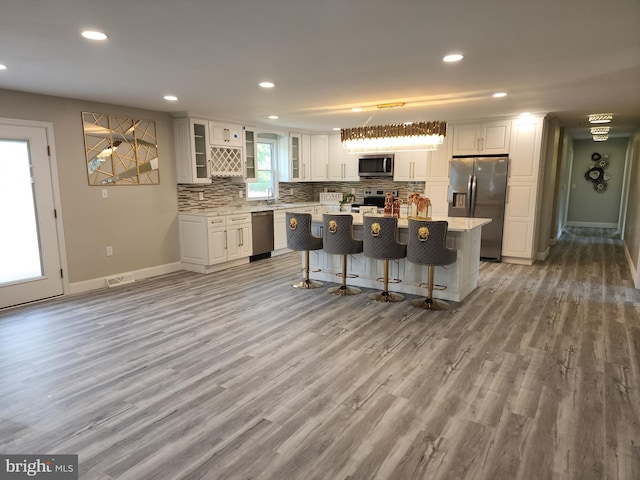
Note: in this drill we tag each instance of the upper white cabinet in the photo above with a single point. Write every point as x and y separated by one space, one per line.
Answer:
526 144
486 138
193 161
342 166
305 157
438 164
319 161
223 134
410 166
250 154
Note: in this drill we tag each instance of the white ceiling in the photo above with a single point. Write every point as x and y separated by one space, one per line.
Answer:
564 57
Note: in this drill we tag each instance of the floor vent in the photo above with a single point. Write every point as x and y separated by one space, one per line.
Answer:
120 280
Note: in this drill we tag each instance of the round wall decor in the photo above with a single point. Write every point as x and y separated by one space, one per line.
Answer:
596 174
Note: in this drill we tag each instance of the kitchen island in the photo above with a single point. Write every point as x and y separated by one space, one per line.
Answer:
460 278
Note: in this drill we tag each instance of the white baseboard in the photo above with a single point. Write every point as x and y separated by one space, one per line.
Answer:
518 260
101 282
542 256
592 224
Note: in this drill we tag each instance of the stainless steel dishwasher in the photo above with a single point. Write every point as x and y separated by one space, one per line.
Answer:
262 234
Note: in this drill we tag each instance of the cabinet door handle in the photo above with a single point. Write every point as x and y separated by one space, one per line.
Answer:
225 239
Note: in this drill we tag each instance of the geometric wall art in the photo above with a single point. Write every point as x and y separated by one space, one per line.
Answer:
120 150
596 173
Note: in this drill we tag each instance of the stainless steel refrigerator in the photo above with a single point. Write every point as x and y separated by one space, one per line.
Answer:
478 187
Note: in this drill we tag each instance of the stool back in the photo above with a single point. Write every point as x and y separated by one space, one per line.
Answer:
427 245
299 236
337 235
380 238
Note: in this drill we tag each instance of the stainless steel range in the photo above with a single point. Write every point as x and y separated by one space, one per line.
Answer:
373 197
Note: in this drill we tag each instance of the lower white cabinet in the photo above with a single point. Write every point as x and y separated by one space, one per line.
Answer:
209 240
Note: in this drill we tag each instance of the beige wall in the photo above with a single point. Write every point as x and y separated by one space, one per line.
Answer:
632 226
139 222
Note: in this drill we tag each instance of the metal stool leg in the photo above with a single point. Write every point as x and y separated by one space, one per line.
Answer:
386 295
306 283
344 290
430 303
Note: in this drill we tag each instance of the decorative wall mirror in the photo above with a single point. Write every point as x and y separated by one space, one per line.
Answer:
120 150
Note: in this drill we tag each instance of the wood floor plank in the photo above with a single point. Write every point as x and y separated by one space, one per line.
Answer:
236 375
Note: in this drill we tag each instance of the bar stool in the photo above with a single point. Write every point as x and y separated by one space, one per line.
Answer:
300 238
337 237
380 241
427 246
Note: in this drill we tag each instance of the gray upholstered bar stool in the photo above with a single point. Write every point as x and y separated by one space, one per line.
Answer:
337 237
380 241
300 238
427 245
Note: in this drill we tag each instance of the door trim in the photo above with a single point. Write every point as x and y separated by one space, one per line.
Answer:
55 187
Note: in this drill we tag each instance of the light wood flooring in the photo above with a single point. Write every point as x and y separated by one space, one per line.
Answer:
237 375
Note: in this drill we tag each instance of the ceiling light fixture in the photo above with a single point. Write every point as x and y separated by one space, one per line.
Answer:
600 118
273 117
171 98
454 57
356 109
3 67
93 35
599 130
385 138
267 84
499 95
390 105
600 138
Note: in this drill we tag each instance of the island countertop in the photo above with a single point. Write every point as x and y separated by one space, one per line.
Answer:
456 224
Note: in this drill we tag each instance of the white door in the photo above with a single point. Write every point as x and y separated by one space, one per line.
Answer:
29 253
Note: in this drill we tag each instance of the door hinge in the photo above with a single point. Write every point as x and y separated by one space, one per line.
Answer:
61 274
55 213
48 150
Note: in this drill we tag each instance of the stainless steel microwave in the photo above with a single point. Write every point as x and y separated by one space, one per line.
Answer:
376 165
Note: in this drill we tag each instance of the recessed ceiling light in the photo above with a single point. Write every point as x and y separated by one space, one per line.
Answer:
171 98
273 117
3 67
499 95
267 84
525 114
454 57
93 35
356 109
336 129
600 118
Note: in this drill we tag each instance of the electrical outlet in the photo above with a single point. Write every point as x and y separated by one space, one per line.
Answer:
109 251
291 191
240 194
105 193
200 195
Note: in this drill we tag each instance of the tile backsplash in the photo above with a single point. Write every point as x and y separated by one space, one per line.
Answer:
225 191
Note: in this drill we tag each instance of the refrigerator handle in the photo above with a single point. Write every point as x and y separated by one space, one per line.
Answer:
474 194
469 194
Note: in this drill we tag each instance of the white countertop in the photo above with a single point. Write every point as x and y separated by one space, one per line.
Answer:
233 209
456 224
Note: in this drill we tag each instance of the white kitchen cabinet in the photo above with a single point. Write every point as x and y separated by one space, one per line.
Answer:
297 168
250 154
410 166
279 230
487 138
192 150
342 166
239 240
439 161
319 161
523 190
210 240
222 134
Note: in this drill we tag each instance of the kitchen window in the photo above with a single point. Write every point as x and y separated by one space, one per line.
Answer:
265 186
